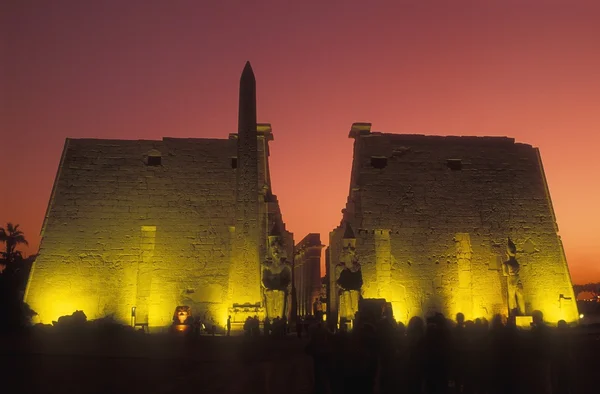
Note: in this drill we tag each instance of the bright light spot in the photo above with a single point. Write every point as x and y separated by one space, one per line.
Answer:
181 327
581 316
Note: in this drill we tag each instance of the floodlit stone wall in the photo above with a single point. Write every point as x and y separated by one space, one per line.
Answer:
123 230
432 216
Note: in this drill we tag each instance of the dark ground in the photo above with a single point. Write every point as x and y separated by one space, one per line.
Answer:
53 363
61 363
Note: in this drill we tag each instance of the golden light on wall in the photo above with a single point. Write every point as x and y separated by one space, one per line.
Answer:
57 304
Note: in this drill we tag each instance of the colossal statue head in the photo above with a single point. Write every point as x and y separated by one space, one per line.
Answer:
182 313
511 248
348 256
277 250
276 245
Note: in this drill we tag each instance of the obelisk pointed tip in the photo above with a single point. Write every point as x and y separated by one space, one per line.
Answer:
248 69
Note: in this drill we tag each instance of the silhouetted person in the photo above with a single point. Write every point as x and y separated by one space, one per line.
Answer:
387 347
401 329
364 359
415 346
477 333
248 326
197 327
503 357
460 320
436 361
400 357
267 326
255 326
316 307
514 349
562 360
284 325
339 362
540 355
228 325
298 327
459 353
319 348
470 358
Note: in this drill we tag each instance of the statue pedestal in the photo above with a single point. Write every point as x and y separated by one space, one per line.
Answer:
239 314
181 328
524 322
348 304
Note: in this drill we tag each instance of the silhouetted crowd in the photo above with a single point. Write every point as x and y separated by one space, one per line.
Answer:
442 356
252 326
276 328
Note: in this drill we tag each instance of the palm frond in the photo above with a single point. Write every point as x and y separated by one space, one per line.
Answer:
20 239
12 236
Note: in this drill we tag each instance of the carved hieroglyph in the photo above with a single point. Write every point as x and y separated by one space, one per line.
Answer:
464 253
144 272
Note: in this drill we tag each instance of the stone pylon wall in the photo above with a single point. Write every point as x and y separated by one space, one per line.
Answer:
444 208
122 233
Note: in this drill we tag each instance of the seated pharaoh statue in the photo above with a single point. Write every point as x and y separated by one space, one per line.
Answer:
276 278
348 279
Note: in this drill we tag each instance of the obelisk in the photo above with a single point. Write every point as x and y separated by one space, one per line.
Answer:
244 275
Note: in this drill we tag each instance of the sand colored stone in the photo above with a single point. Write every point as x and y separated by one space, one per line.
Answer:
157 224
432 216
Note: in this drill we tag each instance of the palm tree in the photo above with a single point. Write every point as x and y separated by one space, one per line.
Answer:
12 236
14 313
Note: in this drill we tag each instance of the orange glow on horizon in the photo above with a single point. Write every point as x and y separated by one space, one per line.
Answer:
145 71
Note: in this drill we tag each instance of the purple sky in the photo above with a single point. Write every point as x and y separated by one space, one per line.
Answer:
148 69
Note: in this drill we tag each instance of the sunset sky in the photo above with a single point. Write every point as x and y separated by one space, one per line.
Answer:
148 69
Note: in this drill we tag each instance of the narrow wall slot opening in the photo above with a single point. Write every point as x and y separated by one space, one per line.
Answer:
154 160
454 164
378 162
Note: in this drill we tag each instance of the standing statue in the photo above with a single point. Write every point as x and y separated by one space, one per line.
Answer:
276 278
511 269
348 277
